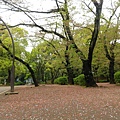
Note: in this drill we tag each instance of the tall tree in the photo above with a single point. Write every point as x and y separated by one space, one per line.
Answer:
4 39
110 37
87 70
23 62
68 36
66 61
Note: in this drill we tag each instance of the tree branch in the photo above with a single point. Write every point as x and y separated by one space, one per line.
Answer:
23 62
95 3
89 8
105 32
42 29
96 28
21 9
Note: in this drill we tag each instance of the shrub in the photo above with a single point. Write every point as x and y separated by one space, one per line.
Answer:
80 80
102 81
2 81
117 77
76 81
19 83
61 80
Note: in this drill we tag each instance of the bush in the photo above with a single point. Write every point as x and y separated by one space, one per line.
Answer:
2 82
76 81
19 83
102 81
61 80
80 80
117 77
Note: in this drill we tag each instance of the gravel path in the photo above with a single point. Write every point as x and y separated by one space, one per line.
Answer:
55 102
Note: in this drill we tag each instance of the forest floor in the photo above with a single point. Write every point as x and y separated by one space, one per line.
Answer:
67 102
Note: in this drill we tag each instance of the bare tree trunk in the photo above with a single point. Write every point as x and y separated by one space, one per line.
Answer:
70 76
111 72
111 59
52 77
90 82
68 67
9 74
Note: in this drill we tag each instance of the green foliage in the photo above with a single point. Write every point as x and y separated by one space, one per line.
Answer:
102 81
103 71
1 80
61 80
80 80
76 81
117 77
19 83
20 42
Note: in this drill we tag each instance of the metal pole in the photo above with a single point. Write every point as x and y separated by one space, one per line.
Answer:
13 60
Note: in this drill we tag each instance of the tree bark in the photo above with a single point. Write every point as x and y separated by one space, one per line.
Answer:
111 72
9 74
90 82
70 76
68 67
110 57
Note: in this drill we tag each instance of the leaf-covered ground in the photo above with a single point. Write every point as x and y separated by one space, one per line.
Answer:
55 102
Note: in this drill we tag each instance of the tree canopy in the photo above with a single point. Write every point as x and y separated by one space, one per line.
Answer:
68 39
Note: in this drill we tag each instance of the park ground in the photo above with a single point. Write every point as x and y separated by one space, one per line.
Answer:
67 102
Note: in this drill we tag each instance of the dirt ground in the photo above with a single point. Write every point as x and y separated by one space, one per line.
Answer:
55 102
